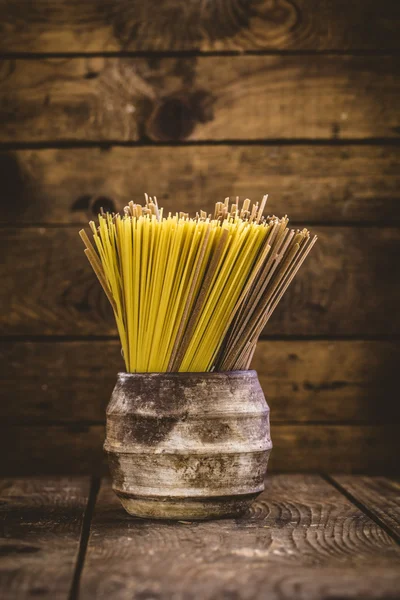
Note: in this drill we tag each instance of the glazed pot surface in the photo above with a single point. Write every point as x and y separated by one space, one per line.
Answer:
188 445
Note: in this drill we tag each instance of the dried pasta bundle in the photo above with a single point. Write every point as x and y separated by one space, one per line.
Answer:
193 293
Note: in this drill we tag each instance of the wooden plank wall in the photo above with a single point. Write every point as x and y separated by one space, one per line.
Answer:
103 100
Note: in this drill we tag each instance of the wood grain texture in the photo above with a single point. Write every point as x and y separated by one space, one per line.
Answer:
114 25
56 450
347 286
41 526
302 539
200 98
310 183
78 448
317 381
381 496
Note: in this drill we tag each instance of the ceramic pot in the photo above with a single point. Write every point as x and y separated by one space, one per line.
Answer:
188 445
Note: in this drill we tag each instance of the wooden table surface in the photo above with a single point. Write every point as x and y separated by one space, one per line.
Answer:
307 536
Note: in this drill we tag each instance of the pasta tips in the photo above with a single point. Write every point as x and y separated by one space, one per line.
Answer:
193 294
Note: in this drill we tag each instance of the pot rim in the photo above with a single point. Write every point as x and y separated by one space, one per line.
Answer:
183 374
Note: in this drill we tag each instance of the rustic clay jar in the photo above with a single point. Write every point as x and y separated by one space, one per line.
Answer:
188 445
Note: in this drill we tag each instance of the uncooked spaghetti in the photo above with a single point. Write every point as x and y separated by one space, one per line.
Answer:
193 293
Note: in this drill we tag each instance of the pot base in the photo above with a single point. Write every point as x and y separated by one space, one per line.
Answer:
186 509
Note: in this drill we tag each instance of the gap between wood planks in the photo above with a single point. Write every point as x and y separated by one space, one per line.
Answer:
84 538
22 338
108 144
293 223
91 505
361 506
195 53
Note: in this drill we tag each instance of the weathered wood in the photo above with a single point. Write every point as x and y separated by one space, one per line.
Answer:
302 539
346 286
332 381
77 448
200 98
113 25
60 449
41 526
380 495
319 381
336 448
310 183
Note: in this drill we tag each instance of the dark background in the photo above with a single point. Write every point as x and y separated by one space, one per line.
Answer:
191 101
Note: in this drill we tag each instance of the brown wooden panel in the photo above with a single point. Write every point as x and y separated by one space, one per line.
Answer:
319 381
301 539
77 448
113 25
335 448
347 286
310 183
42 520
381 496
200 98
56 450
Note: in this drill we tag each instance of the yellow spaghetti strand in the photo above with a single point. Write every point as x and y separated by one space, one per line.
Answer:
193 294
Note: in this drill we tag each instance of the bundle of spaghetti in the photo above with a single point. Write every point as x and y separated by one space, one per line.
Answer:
193 294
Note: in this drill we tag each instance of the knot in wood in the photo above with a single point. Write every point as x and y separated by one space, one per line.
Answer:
175 117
